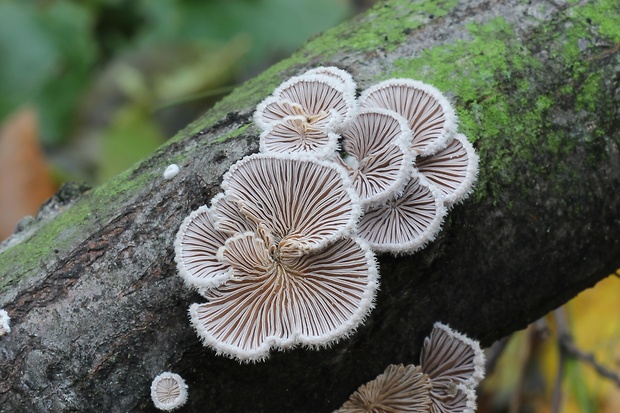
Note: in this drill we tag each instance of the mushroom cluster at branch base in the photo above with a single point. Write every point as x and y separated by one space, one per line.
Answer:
168 391
5 320
285 255
451 366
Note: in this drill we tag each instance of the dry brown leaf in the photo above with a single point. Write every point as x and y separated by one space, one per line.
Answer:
25 179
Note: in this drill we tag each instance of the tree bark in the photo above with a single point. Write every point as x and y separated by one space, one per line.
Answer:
97 310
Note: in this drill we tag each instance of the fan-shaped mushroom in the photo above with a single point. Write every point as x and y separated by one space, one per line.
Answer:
452 170
295 135
378 158
455 364
279 300
297 276
196 247
302 202
323 101
452 365
168 391
398 389
406 223
430 115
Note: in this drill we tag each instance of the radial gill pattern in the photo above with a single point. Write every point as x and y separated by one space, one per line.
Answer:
452 170
295 135
377 141
275 300
196 248
430 115
303 200
274 109
406 223
399 389
450 358
322 98
168 391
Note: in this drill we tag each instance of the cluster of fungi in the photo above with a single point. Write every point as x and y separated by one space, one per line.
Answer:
451 366
285 255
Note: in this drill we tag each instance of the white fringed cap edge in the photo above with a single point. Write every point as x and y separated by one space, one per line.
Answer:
179 401
356 206
261 352
479 358
406 169
451 120
189 279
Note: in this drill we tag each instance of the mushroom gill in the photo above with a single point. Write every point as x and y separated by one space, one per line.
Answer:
453 170
430 115
279 300
378 157
406 223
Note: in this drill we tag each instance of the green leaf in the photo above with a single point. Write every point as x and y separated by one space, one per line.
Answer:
132 135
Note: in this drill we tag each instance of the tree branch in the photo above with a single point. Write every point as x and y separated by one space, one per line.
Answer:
98 311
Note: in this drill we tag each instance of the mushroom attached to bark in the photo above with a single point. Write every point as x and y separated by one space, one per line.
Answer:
336 73
453 170
406 223
451 367
398 389
171 171
324 103
196 247
297 203
295 135
168 391
280 301
299 277
430 115
378 158
455 364
5 328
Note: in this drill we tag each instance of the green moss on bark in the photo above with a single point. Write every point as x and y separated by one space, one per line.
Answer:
504 103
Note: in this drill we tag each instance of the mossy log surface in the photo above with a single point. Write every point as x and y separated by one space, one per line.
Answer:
91 287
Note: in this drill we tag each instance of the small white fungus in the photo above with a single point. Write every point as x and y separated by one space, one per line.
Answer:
4 323
168 391
171 171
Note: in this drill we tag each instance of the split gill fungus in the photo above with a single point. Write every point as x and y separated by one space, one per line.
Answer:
285 255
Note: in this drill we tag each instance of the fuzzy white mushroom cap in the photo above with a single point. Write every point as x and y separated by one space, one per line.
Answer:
196 246
168 391
303 202
5 320
298 276
294 134
277 300
398 389
451 357
453 170
455 364
431 117
325 102
378 157
451 367
340 75
407 223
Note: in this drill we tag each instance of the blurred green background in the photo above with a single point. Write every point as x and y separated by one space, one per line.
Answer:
110 80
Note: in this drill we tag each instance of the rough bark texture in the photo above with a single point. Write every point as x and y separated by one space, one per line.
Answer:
97 309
